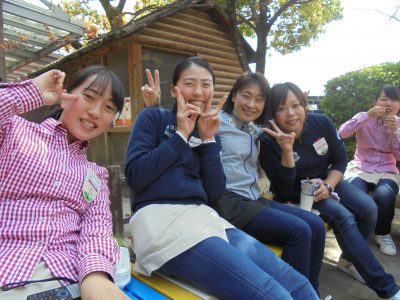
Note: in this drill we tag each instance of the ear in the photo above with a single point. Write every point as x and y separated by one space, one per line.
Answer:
173 93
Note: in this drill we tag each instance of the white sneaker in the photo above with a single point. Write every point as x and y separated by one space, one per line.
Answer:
396 296
387 246
347 267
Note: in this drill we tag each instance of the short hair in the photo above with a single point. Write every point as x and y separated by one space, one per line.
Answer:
242 82
278 95
390 91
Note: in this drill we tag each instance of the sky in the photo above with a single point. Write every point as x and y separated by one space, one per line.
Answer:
362 38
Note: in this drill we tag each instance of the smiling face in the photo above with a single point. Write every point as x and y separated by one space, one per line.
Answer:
89 115
291 115
196 86
249 103
392 105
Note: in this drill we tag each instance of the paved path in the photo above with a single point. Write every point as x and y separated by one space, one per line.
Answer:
343 287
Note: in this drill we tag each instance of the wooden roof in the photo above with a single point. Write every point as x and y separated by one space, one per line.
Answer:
205 5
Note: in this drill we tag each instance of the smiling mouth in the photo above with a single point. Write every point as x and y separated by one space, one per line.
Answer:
88 124
388 110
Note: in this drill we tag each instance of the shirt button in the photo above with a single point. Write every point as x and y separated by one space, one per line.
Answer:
40 243
57 183
42 219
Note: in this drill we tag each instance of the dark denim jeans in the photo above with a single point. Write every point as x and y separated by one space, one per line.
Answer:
384 195
301 234
341 216
241 269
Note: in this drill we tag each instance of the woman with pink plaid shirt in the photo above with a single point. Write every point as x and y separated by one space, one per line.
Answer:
373 168
55 221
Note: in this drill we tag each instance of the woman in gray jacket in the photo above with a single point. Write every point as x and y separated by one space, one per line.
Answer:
301 233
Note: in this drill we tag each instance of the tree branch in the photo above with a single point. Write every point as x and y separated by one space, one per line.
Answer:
285 6
393 16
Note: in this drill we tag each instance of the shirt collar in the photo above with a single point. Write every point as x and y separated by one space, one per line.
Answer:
57 127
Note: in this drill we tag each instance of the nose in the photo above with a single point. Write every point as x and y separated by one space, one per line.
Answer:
290 111
197 90
251 103
95 111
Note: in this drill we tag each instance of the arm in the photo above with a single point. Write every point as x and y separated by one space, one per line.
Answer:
337 159
348 128
97 250
395 141
146 158
282 177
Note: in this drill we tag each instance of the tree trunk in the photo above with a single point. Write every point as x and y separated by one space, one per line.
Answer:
261 51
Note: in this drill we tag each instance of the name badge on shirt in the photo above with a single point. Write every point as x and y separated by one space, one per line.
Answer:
91 186
321 146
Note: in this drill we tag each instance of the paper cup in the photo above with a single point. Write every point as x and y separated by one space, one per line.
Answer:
309 186
306 202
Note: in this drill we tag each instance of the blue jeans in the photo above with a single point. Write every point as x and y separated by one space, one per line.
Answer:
300 232
384 195
241 269
350 239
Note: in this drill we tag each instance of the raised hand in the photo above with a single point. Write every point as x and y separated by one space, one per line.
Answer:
377 111
391 122
186 114
284 140
152 91
208 122
51 86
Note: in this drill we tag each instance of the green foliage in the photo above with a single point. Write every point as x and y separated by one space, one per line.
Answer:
355 91
301 24
288 30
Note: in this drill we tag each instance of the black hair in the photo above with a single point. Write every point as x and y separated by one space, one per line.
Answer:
242 82
104 77
186 63
390 91
278 95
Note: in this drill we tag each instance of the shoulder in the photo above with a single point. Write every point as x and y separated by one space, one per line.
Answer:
154 115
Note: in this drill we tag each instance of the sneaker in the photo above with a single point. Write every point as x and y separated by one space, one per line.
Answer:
347 267
329 297
386 244
396 296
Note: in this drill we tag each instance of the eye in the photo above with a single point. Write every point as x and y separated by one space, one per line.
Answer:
111 108
188 84
260 100
88 97
281 109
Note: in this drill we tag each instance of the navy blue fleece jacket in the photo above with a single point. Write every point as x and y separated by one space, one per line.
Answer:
285 182
160 167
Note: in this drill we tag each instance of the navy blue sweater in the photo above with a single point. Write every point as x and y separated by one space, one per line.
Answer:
285 182
160 167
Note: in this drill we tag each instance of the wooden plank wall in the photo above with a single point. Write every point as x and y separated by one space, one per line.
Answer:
195 32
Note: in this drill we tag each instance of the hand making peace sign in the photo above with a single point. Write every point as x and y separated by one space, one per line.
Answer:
284 140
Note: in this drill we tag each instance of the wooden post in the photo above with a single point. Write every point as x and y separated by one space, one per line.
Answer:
2 52
114 184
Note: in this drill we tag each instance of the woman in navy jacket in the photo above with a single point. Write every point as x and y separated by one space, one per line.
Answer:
300 146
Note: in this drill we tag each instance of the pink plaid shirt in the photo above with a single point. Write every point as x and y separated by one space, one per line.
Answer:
43 214
378 148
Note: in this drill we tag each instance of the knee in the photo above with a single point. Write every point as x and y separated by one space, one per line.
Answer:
384 195
303 232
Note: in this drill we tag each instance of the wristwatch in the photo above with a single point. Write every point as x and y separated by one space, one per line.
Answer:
330 189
